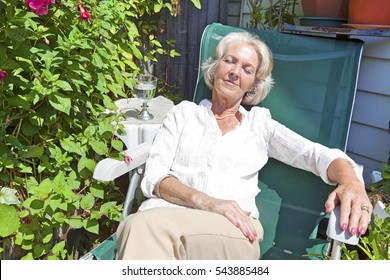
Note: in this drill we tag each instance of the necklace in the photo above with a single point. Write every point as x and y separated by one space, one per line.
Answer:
224 117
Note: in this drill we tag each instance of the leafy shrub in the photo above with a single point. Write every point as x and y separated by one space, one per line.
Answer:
270 14
62 63
375 245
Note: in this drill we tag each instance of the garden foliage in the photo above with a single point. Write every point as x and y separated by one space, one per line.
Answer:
62 63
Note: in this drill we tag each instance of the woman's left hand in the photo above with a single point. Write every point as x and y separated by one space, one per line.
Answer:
355 206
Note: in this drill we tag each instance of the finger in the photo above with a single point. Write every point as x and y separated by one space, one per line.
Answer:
365 218
346 212
331 202
354 217
242 221
248 229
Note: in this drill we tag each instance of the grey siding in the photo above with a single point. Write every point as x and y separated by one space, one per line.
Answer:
369 141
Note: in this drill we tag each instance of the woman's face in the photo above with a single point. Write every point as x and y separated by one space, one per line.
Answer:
235 74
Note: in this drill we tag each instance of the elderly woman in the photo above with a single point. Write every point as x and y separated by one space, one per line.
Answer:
201 175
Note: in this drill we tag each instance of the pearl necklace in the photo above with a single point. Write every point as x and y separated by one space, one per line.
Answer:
224 117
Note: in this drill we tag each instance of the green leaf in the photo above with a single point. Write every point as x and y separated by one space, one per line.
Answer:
97 61
85 165
19 101
64 85
99 147
90 131
43 190
87 202
91 225
157 7
197 4
9 220
116 89
40 250
75 222
55 202
95 215
36 206
132 28
106 207
59 247
117 145
28 256
60 102
46 234
59 217
33 151
105 127
97 191
3 54
137 53
24 168
8 196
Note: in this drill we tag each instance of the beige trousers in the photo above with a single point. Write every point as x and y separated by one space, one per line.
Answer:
182 233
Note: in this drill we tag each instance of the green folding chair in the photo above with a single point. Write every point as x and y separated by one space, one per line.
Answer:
315 85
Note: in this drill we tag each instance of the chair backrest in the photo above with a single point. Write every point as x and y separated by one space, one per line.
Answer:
315 85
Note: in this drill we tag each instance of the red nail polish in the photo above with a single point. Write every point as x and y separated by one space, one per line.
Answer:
362 231
353 231
343 227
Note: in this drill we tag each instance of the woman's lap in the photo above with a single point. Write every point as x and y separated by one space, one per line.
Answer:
183 233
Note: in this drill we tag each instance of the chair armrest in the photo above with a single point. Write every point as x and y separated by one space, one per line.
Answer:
335 232
109 169
338 235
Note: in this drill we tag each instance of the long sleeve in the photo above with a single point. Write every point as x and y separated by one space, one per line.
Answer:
293 149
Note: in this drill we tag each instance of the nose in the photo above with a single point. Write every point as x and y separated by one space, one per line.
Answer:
234 71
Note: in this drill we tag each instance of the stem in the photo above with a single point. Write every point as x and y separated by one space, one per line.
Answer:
52 14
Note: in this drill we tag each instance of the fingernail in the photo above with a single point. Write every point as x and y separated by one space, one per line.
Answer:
353 231
362 231
343 227
254 236
237 223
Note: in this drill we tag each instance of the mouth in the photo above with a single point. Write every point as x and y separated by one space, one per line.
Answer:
231 82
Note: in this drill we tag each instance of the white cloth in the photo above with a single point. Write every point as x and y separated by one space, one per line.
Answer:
191 147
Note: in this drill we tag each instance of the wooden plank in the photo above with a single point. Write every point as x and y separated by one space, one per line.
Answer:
376 47
344 32
374 75
368 141
234 8
369 166
372 109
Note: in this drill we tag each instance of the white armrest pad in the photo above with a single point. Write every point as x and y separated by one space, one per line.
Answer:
109 169
335 232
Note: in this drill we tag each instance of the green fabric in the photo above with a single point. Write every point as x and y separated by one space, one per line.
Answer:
315 84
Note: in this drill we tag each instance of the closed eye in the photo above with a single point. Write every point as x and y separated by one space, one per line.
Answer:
248 70
229 61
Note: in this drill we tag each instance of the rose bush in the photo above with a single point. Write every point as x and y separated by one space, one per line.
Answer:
62 63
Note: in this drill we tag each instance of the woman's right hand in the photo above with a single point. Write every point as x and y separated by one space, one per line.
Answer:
172 190
232 211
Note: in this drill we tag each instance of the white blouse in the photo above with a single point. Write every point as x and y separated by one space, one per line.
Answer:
191 147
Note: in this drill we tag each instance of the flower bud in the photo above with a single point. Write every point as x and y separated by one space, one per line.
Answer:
3 75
